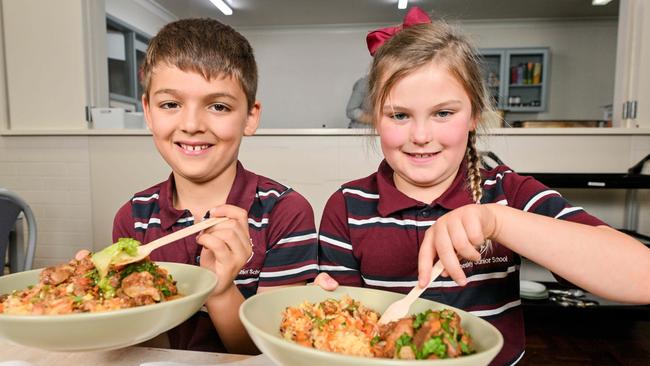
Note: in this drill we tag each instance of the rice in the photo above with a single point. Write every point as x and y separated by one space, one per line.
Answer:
342 326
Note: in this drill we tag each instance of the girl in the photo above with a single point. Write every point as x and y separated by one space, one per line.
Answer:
430 201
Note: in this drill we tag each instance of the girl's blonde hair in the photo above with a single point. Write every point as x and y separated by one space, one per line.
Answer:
418 45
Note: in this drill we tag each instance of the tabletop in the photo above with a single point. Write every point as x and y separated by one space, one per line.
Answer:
124 356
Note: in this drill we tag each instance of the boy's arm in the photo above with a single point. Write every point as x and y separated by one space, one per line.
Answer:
226 247
292 249
335 255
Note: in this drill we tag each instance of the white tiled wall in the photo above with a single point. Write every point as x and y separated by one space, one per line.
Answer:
76 183
52 174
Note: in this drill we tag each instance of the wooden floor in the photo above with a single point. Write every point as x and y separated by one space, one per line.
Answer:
579 337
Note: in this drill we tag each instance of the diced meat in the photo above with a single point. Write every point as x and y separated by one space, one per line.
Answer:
393 331
56 274
430 328
139 285
406 353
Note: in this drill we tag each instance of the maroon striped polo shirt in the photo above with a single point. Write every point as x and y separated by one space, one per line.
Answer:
370 236
281 226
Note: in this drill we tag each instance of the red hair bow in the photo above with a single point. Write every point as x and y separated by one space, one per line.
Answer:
376 38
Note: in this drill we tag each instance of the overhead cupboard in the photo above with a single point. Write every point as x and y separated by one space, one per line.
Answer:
517 78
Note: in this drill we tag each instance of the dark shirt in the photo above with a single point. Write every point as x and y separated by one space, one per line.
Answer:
370 236
281 226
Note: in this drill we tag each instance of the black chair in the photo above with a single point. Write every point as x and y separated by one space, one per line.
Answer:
11 205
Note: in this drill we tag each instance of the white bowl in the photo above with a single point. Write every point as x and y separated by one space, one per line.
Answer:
106 330
261 315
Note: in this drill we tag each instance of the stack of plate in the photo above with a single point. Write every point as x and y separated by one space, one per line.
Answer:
532 290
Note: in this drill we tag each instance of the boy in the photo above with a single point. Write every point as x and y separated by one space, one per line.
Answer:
200 80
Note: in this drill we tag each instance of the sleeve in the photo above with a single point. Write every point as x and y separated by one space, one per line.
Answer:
354 108
335 254
123 223
530 195
292 249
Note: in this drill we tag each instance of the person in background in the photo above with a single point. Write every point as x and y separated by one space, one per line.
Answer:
200 81
356 109
429 199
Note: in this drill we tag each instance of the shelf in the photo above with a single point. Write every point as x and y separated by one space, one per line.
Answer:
525 85
593 180
604 307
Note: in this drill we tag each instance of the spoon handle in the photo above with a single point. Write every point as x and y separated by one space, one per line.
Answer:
417 291
151 246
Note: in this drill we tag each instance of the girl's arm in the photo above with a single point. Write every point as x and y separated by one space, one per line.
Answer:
599 259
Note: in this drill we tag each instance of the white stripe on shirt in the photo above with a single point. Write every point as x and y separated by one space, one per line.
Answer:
489 182
265 221
389 220
144 225
336 268
155 195
568 210
539 196
335 242
246 281
269 192
288 271
293 239
361 193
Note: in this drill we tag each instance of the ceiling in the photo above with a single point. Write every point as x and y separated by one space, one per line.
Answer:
269 13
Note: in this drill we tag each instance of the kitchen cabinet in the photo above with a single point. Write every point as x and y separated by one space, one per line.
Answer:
517 78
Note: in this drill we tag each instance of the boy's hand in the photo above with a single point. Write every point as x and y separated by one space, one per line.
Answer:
226 246
83 253
456 234
326 282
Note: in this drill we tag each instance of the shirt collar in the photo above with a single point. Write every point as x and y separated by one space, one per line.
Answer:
242 193
392 200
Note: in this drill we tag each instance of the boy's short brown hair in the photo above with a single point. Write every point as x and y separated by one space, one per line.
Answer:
205 46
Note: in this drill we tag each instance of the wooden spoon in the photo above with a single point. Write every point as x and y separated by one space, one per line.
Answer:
145 250
400 308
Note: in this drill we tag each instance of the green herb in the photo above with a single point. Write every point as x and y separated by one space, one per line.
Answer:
420 319
404 340
139 267
374 340
445 326
465 348
434 346
165 290
77 299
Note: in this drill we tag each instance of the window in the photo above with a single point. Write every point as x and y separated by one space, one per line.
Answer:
126 52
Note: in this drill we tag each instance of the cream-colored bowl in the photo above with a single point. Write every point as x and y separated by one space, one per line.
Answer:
105 330
261 315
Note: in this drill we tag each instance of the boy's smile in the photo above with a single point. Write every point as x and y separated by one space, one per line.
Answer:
197 124
423 128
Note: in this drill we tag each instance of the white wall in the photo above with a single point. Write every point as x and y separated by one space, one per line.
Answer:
142 15
306 74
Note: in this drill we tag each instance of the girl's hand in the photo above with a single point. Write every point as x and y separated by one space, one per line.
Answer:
455 234
226 246
326 282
